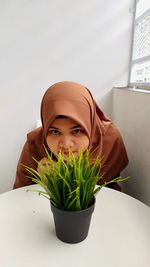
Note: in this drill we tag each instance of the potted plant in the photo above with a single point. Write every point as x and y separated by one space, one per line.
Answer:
70 185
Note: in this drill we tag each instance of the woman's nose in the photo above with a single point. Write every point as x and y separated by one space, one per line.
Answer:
65 142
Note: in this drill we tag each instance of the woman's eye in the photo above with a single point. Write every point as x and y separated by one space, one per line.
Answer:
76 131
54 132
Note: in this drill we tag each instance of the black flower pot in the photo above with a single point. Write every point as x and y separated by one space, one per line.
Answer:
72 226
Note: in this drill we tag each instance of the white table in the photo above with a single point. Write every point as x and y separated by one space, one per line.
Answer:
119 234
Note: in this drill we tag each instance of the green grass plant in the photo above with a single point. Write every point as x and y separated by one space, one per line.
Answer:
69 182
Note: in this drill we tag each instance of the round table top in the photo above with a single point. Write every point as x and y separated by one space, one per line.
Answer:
119 234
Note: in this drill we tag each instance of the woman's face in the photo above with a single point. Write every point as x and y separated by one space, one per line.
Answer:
65 133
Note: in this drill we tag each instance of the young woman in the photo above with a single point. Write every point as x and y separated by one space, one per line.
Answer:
72 119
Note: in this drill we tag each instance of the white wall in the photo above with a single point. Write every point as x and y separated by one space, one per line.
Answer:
43 42
131 111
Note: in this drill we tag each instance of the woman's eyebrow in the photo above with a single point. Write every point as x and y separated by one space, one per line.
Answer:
77 126
51 127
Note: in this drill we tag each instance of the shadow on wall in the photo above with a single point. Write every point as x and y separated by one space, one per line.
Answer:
105 103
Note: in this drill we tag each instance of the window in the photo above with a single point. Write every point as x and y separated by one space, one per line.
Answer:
140 60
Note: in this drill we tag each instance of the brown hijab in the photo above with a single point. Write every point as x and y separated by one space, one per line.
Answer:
75 101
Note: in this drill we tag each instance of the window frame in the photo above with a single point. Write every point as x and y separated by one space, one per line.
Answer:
145 86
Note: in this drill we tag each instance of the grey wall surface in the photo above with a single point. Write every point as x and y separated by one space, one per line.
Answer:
131 112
